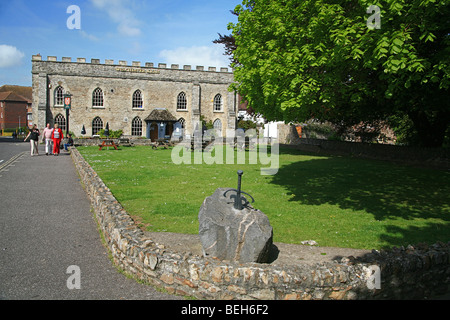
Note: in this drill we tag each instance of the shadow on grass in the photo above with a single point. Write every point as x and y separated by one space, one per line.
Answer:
388 192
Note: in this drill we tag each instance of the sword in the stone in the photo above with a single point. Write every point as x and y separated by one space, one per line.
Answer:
238 198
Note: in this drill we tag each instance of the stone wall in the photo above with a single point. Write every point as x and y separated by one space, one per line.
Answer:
414 272
98 141
424 157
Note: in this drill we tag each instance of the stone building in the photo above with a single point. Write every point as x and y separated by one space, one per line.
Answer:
143 101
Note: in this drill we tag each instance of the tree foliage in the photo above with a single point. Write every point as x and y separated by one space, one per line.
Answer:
298 59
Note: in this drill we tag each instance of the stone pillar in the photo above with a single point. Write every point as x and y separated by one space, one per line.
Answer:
231 110
196 108
43 104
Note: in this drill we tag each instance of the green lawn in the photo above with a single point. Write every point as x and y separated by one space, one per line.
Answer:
336 201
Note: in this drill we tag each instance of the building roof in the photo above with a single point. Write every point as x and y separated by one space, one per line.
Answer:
161 115
11 96
26 92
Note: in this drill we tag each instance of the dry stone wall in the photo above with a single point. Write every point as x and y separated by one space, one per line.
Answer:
413 272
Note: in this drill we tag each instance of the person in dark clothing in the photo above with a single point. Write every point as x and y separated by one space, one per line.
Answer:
69 142
34 139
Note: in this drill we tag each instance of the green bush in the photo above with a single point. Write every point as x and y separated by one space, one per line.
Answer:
112 134
246 125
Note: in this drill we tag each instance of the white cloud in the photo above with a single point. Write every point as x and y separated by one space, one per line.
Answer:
128 30
212 56
10 56
88 36
120 13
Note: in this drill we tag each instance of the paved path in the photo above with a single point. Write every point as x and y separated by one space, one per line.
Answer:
46 226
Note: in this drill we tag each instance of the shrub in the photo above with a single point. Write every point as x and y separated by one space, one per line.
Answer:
112 134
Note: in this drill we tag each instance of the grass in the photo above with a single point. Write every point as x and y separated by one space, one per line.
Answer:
336 201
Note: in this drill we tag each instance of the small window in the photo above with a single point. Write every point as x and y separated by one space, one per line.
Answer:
138 102
182 122
59 97
97 98
182 101
218 104
61 121
218 127
97 125
136 127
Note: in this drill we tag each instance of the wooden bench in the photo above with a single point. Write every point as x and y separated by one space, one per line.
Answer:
196 145
125 142
162 143
107 143
248 144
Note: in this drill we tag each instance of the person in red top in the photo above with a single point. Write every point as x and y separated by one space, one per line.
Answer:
57 136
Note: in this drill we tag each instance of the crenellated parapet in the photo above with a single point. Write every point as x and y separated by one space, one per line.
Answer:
134 64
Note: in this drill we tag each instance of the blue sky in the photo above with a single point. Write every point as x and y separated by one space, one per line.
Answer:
158 31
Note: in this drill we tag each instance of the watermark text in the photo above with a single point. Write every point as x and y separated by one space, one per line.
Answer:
74 21
208 148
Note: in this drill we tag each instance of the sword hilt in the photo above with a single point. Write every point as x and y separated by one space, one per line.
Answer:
238 198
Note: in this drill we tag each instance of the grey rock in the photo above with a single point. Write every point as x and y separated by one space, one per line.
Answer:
235 235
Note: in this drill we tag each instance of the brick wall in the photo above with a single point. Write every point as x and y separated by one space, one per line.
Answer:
11 112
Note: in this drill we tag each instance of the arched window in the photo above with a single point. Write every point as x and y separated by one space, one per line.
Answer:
61 121
138 102
182 122
178 129
136 127
182 101
218 102
218 127
97 125
59 97
97 98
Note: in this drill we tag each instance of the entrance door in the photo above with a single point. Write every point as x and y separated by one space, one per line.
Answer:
154 131
169 130
161 130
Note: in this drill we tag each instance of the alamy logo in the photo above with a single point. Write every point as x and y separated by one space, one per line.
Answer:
374 21
74 21
260 151
373 277
74 281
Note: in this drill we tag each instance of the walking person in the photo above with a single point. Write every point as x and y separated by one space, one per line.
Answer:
47 133
57 135
34 140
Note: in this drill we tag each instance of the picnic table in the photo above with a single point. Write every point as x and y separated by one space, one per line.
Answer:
195 145
247 144
125 142
162 143
108 143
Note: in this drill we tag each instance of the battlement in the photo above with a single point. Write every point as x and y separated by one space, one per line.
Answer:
134 64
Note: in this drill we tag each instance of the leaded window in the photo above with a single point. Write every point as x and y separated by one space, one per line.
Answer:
138 102
59 96
61 121
97 98
218 102
182 101
218 127
136 127
97 125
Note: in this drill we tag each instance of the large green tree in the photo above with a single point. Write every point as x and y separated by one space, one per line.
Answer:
297 59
